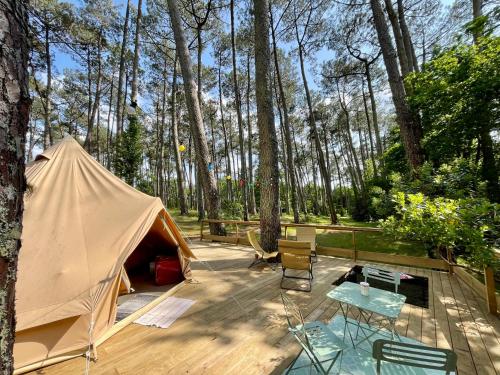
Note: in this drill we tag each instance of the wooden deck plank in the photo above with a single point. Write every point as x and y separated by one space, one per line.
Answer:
237 324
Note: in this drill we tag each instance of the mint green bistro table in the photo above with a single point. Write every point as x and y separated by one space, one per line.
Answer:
386 304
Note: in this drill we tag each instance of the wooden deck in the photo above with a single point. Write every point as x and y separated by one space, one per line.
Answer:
237 324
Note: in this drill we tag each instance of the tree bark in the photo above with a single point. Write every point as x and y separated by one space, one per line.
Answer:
373 105
237 99
224 133
270 229
398 37
121 75
251 191
286 126
97 100
14 117
135 63
196 121
411 57
47 131
410 129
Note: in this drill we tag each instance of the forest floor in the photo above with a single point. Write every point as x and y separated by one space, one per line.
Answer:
369 241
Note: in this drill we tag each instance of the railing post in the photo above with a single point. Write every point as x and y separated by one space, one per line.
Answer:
354 245
201 229
286 231
237 234
450 260
491 298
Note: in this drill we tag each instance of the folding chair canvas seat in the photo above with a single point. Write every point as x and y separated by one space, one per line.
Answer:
296 255
308 234
261 256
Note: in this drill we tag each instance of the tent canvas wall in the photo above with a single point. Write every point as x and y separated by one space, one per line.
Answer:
80 225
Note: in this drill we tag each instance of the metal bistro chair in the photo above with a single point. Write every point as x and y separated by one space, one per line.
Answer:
261 256
316 339
414 356
372 272
296 255
308 234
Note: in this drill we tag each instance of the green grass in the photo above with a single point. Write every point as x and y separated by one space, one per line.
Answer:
368 241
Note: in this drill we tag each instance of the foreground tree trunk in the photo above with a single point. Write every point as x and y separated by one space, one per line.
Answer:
14 117
196 121
270 229
410 128
237 99
286 126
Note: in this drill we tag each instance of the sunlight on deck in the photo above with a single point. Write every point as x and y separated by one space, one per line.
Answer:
237 324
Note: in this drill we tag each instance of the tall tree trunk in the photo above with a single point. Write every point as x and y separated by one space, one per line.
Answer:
47 131
270 229
411 57
370 138
161 134
314 133
110 120
121 75
410 129
373 105
135 62
398 37
14 117
237 99
286 126
477 11
200 204
97 99
251 191
196 121
224 133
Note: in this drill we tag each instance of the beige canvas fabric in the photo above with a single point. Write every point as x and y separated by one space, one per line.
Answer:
80 224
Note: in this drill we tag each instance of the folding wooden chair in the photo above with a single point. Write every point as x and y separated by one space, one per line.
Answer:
317 340
308 234
412 355
261 256
296 255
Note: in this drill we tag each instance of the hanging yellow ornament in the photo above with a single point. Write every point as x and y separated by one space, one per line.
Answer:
182 148
228 178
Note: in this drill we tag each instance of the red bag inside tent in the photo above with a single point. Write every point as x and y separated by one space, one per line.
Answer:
167 270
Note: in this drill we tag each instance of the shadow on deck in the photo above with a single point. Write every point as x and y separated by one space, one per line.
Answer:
237 324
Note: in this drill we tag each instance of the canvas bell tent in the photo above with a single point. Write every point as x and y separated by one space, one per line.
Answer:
81 225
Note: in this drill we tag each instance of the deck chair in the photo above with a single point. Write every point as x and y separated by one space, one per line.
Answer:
296 255
308 234
316 339
261 256
414 356
372 272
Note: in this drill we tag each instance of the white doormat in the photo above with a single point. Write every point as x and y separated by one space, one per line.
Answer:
166 313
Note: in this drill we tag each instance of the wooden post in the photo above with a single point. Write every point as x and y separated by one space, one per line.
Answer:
354 245
201 229
286 231
237 234
450 259
491 298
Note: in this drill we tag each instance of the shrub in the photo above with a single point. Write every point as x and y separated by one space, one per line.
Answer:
468 226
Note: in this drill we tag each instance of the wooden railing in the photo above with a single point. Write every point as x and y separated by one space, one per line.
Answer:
486 290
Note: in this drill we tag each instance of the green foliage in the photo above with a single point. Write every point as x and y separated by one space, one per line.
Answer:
232 209
457 94
465 225
129 152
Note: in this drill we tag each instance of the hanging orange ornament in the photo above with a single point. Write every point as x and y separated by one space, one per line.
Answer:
182 148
